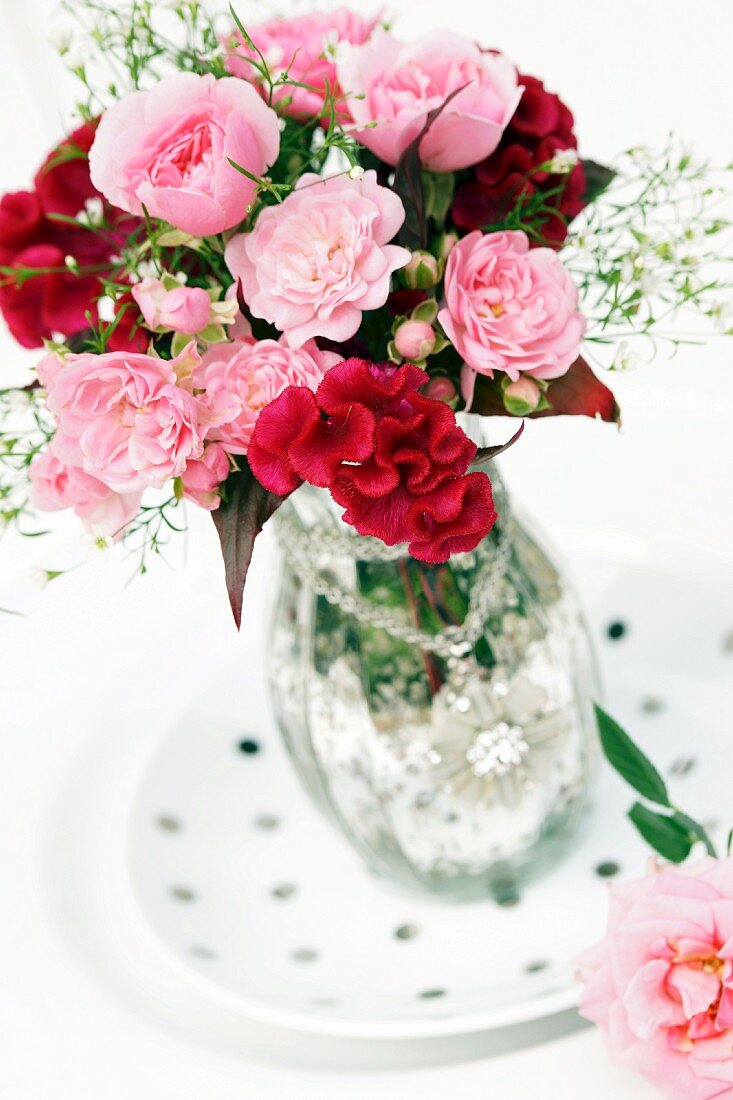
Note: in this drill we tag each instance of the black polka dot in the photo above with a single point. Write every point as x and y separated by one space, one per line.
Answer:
200 951
536 966
304 955
431 994
284 891
616 630
407 932
248 746
183 893
607 869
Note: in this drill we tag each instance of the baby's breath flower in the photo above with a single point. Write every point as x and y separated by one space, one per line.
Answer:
99 544
721 313
93 212
626 358
563 162
18 401
61 39
106 308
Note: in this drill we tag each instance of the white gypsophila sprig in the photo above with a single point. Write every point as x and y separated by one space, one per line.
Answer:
25 429
652 255
132 44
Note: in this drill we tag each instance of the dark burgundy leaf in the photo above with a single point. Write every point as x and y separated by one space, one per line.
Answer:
577 393
238 521
597 178
408 184
486 454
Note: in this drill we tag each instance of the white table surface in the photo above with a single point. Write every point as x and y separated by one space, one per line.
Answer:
92 658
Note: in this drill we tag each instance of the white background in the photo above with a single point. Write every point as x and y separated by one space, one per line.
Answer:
93 658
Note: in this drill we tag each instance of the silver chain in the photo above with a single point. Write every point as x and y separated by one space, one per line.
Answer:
305 549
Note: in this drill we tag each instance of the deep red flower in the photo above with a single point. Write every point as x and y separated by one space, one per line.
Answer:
394 459
58 301
541 126
62 182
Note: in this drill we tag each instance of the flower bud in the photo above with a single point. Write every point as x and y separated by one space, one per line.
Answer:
440 388
422 272
414 340
523 396
446 245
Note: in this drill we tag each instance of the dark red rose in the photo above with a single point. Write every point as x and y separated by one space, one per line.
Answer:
21 217
62 182
541 126
394 459
56 301
128 334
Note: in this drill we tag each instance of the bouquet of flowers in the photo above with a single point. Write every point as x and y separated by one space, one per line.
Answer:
293 251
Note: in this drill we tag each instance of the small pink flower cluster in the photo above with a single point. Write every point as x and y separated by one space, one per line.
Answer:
126 422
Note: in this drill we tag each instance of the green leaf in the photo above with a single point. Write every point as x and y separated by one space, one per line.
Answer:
438 188
629 761
696 831
664 834
597 179
238 521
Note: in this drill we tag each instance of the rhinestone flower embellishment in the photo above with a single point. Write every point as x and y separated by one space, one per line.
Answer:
494 738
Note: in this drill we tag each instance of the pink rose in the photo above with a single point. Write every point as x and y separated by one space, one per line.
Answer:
510 308
313 264
168 149
400 85
132 420
304 47
56 485
203 476
256 373
184 309
48 367
660 986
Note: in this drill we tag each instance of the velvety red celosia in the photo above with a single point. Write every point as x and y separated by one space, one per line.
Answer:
58 300
393 458
541 126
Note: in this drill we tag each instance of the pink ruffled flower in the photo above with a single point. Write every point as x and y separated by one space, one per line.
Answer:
132 420
168 149
304 46
184 309
312 265
256 373
510 308
56 485
48 367
660 985
400 85
203 477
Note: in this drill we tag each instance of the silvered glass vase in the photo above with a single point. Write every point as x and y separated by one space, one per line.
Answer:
440 715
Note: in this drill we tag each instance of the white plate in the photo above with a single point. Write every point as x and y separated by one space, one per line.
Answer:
261 904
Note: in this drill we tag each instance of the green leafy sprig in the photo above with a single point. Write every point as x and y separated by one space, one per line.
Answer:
665 827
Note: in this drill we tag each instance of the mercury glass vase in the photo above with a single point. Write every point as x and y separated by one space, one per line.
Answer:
440 715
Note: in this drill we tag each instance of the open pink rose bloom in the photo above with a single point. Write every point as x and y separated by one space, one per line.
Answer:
660 985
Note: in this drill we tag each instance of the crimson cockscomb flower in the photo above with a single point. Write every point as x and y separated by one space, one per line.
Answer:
395 460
